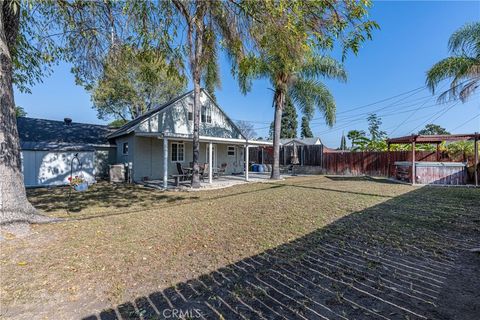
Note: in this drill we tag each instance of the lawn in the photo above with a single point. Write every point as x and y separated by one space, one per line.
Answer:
305 247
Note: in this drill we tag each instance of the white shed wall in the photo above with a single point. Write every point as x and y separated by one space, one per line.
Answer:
52 168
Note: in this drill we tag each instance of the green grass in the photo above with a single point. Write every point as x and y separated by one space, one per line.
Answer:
119 242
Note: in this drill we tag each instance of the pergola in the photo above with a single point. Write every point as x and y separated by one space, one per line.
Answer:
436 139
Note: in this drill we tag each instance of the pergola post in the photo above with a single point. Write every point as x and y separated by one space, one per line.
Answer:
388 160
476 158
413 162
165 163
210 162
246 162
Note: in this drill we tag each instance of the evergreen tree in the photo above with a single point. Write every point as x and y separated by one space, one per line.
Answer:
343 143
289 122
306 132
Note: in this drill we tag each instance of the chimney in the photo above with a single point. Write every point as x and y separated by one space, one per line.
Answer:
67 121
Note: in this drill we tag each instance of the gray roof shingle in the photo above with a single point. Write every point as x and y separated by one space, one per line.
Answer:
41 134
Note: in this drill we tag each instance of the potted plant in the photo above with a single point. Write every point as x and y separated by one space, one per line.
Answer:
78 183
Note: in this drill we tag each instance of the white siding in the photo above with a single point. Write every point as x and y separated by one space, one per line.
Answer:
149 157
52 168
174 119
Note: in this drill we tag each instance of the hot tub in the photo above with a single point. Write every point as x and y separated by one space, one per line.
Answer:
447 173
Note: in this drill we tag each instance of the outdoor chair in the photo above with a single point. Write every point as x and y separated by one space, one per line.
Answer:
184 175
204 171
222 169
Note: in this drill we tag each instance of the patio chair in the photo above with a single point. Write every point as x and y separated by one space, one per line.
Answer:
182 173
222 169
204 171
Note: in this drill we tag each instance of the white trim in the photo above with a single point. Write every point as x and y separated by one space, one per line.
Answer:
234 151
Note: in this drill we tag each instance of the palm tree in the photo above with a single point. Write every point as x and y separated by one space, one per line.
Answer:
300 84
206 24
463 66
355 135
289 39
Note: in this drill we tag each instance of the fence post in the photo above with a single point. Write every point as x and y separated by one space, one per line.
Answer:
476 158
388 160
413 162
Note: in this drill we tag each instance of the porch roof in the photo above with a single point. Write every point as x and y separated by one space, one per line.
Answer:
177 136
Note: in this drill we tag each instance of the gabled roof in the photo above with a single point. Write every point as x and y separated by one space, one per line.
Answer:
303 141
42 134
131 125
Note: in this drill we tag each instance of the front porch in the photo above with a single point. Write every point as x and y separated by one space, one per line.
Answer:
223 181
231 156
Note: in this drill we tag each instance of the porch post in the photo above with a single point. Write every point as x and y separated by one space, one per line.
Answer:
210 162
246 162
413 163
165 163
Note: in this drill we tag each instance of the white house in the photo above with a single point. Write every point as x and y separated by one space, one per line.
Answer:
152 144
156 141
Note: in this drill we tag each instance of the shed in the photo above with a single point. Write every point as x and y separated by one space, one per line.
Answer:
48 147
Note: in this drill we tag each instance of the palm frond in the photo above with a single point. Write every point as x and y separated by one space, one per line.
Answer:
451 67
466 40
251 67
468 89
322 66
308 94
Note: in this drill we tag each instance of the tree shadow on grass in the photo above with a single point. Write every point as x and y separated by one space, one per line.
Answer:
101 195
389 261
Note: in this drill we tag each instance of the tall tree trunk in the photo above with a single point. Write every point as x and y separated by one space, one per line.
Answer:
196 72
196 129
14 205
279 103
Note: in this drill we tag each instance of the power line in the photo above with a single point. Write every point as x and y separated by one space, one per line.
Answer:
362 120
442 112
383 100
385 114
468 121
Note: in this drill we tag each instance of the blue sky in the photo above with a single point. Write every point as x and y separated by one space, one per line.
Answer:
412 38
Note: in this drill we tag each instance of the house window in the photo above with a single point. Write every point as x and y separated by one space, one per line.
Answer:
206 114
231 151
190 112
125 148
177 152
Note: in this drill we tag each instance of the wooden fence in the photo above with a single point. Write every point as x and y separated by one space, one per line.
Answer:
352 163
371 163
